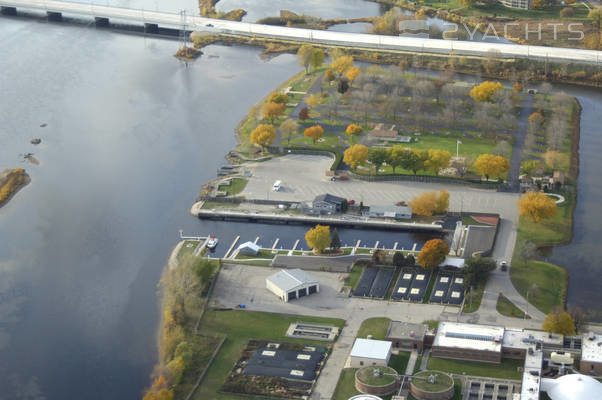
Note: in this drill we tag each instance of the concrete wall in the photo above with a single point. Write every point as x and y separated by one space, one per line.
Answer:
464 354
359 362
590 368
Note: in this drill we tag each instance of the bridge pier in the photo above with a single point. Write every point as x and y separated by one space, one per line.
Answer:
8 10
101 22
151 28
54 16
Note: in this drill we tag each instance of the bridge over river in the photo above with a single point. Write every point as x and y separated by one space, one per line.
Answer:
153 20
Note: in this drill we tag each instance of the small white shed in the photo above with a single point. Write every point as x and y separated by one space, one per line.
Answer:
248 249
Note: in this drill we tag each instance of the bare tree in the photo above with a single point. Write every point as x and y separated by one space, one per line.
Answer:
452 111
557 131
503 149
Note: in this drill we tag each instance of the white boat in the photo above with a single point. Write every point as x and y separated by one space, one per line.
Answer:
211 242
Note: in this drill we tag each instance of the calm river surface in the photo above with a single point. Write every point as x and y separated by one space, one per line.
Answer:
131 136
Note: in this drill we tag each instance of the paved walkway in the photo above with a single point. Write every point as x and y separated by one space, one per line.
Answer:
411 363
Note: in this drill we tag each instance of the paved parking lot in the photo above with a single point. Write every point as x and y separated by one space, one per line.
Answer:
304 177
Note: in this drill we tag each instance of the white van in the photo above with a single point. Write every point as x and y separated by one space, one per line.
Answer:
277 186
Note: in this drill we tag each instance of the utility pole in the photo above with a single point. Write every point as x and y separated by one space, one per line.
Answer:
183 38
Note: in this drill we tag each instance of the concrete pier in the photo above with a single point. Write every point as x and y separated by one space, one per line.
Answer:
101 22
54 16
8 10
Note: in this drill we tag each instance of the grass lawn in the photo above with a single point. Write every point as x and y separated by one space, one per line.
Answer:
236 186
187 249
429 288
553 231
433 324
549 278
257 263
468 220
363 250
209 205
346 385
377 327
399 362
354 275
474 147
262 253
474 297
329 141
507 308
506 370
240 326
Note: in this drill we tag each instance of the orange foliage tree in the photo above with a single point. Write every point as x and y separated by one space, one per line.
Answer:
263 135
315 132
433 253
272 111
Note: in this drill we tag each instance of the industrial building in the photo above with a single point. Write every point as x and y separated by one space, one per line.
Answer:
290 284
469 342
591 354
406 336
369 352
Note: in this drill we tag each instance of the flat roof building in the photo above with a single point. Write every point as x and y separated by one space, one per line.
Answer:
591 354
289 284
405 335
469 342
369 352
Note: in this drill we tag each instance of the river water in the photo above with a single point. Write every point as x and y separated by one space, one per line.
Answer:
131 136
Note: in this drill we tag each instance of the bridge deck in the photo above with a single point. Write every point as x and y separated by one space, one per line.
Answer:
359 40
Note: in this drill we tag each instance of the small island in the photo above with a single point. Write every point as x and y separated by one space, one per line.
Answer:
11 181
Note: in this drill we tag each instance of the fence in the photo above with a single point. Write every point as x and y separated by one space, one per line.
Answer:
426 178
240 200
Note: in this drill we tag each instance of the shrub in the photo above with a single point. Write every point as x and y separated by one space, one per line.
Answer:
567 12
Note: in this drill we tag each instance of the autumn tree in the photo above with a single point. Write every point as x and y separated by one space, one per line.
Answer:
353 130
272 111
559 322
315 132
355 155
491 165
437 160
377 156
433 253
304 56
279 98
318 238
317 58
555 159
429 203
289 128
352 73
485 91
517 87
537 206
329 76
538 3
263 135
304 114
342 64
313 100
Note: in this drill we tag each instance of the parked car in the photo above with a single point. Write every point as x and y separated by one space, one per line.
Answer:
504 265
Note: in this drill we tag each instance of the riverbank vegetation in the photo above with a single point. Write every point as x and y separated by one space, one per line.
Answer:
208 10
183 353
11 181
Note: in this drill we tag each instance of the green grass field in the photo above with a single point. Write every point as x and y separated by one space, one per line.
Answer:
239 327
507 308
346 385
377 327
549 278
506 370
236 186
354 275
549 232
474 297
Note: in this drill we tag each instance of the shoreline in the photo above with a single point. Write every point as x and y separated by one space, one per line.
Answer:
26 181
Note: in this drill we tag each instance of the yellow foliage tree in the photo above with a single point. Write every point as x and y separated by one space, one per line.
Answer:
165 394
352 73
329 76
485 90
341 64
272 111
559 322
176 370
536 118
429 203
538 3
517 87
556 160
304 56
318 238
491 165
437 160
263 135
159 383
150 396
313 100
433 253
355 154
353 129
537 206
315 132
